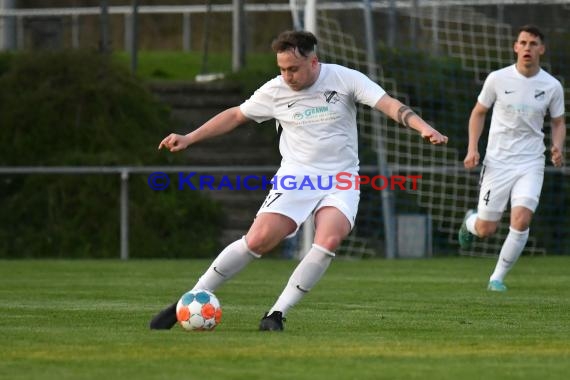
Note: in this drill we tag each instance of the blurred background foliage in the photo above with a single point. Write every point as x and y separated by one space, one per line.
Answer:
79 108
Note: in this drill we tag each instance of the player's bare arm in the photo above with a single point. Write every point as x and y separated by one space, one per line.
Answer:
405 116
220 124
476 125
558 136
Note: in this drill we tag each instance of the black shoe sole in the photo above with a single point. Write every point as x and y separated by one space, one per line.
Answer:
271 322
164 320
270 327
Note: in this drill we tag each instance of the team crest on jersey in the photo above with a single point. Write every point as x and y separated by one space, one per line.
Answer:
539 94
331 96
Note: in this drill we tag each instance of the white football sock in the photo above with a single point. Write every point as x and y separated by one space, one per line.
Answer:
470 224
229 262
510 253
308 272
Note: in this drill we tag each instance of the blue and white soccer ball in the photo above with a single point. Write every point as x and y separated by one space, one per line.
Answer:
198 310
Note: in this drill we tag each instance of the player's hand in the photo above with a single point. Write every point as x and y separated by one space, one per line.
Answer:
556 156
471 160
434 137
174 142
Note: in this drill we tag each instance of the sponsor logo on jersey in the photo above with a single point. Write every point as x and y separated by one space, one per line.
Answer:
331 96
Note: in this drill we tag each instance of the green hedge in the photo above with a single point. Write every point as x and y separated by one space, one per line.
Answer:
78 109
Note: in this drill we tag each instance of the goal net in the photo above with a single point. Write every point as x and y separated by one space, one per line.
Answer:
436 61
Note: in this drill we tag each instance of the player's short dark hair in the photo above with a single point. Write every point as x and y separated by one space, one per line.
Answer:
531 29
302 41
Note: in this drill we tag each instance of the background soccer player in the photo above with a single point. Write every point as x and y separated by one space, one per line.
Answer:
522 94
314 105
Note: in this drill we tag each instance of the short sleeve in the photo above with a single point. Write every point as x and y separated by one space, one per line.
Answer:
260 106
488 94
556 107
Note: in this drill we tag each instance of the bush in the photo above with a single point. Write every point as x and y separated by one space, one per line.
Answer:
82 109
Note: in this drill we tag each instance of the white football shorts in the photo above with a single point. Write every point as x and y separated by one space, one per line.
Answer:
522 186
298 195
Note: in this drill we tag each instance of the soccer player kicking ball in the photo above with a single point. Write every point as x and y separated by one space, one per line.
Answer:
314 105
513 168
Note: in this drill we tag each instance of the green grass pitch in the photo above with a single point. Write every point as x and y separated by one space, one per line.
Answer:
373 319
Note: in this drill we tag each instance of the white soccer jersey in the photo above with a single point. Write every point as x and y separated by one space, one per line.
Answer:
319 123
516 135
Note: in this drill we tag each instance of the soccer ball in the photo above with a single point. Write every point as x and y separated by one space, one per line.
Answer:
198 310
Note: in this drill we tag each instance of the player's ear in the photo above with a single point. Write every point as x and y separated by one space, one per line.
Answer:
314 60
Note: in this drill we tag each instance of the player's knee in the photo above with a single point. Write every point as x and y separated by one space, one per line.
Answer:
330 242
521 221
520 225
486 229
261 241
257 243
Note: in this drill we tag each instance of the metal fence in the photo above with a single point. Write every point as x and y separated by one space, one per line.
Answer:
124 173
79 27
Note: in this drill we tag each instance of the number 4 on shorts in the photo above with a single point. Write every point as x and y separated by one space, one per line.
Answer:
486 197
